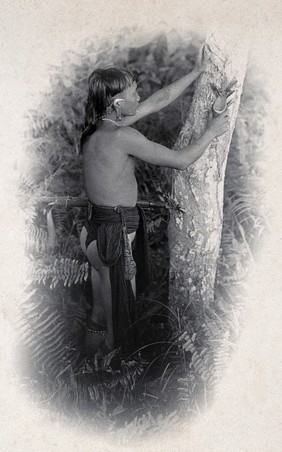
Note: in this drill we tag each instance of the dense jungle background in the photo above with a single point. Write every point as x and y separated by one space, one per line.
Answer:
182 354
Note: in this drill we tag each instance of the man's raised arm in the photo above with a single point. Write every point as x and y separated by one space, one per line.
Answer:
134 143
165 96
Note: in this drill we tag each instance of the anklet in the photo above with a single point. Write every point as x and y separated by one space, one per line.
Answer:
92 330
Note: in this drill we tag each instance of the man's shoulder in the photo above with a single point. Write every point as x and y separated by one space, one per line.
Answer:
127 133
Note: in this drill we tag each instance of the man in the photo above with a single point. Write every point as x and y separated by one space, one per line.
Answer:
109 147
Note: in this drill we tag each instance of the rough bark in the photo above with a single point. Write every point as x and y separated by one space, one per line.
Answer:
194 236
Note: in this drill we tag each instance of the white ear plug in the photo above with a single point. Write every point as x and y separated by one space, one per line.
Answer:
116 102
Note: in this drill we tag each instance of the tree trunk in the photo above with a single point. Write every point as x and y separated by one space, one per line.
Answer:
194 236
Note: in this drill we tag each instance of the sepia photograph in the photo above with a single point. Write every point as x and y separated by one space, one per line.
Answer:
141 261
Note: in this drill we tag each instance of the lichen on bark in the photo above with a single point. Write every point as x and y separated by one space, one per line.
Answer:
194 236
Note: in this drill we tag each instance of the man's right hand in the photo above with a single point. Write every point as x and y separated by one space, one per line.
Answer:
219 125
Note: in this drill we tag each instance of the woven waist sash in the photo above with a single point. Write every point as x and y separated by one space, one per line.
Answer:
110 226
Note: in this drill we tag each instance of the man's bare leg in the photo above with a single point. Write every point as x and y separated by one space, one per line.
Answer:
98 316
97 319
102 298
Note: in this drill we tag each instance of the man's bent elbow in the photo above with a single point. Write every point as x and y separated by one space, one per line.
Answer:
181 166
181 163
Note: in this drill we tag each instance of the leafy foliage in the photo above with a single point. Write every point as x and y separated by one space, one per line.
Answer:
183 352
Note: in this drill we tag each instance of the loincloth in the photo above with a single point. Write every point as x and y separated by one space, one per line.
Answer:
110 226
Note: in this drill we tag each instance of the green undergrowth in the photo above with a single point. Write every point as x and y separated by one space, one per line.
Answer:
182 353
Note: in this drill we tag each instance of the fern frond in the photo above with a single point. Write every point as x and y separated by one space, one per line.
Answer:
37 239
61 269
47 338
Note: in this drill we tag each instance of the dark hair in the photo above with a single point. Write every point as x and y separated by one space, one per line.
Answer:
103 85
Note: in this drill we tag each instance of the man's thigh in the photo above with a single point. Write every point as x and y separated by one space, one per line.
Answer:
92 251
94 258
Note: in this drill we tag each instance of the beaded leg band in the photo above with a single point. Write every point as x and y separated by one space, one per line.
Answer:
93 330
96 328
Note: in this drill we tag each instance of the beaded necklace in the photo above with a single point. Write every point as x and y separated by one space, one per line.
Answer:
108 119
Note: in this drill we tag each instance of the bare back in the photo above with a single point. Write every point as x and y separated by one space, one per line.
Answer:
109 171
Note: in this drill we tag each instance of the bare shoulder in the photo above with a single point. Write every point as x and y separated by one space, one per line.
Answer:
128 135
89 143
